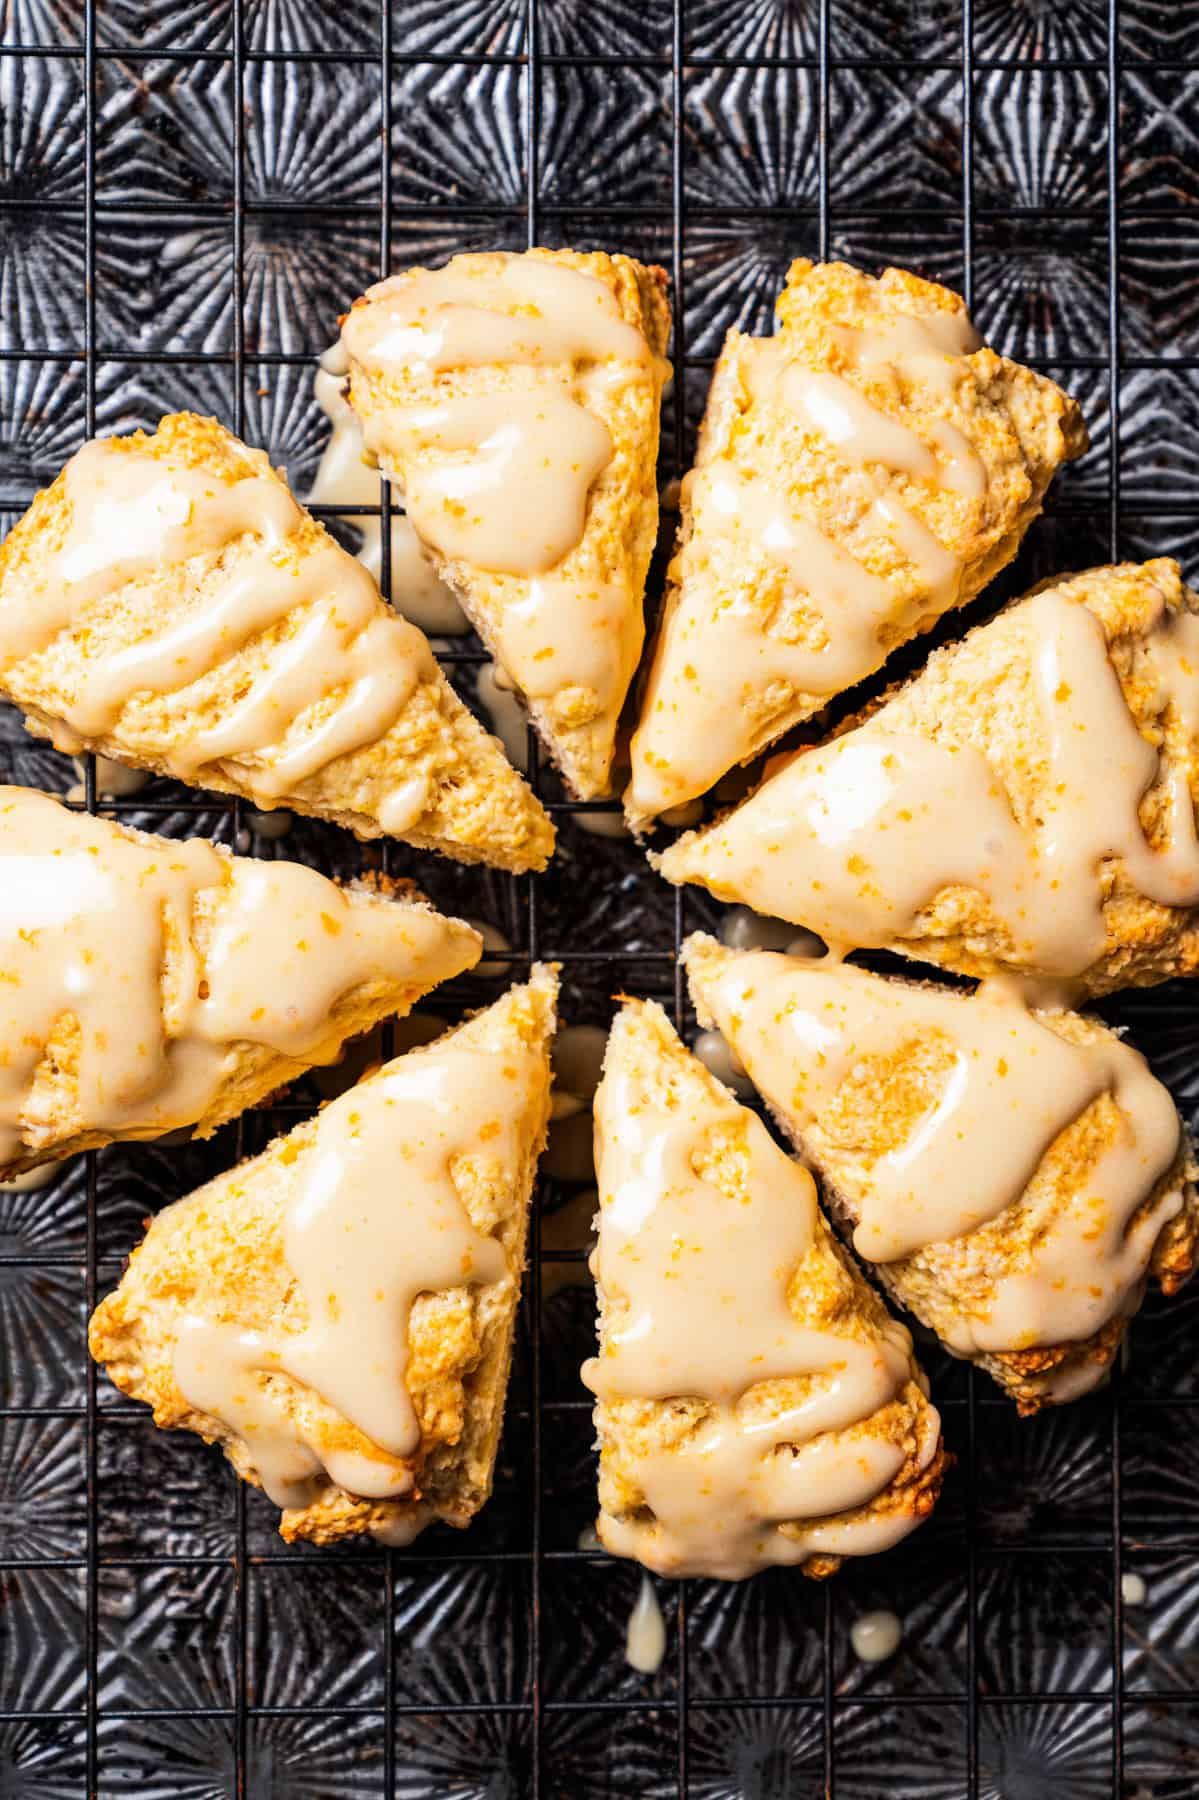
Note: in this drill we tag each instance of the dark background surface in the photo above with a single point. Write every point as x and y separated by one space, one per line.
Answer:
189 194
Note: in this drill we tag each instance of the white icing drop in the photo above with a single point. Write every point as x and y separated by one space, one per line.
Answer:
270 825
721 1060
602 824
505 715
579 1059
875 1636
1133 1591
493 939
113 779
645 1639
742 929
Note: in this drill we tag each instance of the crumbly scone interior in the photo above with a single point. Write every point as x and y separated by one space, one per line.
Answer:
168 603
1025 802
154 983
514 400
224 1261
1043 1173
857 475
756 1405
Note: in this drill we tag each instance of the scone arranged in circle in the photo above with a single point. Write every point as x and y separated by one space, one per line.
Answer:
168 603
150 983
1014 1176
1026 803
756 1403
338 1312
858 474
515 402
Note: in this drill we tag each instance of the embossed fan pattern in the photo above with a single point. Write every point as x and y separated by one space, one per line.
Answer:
225 201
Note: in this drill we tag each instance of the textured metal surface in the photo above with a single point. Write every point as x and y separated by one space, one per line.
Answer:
189 193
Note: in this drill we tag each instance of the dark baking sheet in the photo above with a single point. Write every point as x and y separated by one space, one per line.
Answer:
189 194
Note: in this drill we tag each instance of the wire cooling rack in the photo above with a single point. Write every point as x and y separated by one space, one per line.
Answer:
189 194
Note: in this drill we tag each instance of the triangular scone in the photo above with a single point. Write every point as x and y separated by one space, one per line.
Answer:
756 1403
168 603
1026 803
338 1312
858 474
1014 1176
149 983
514 400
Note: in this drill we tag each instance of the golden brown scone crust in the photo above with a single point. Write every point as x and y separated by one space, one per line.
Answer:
826 1293
1018 422
622 506
480 811
875 1111
981 692
221 1251
52 1124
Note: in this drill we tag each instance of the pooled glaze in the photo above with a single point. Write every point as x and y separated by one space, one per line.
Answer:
132 513
695 1287
1011 1087
374 1221
855 838
721 654
96 943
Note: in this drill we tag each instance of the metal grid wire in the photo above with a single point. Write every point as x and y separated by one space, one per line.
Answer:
536 1771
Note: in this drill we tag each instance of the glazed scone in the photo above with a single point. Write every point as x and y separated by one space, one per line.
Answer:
338 1312
1014 1176
150 983
514 400
756 1403
1026 803
858 474
169 604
